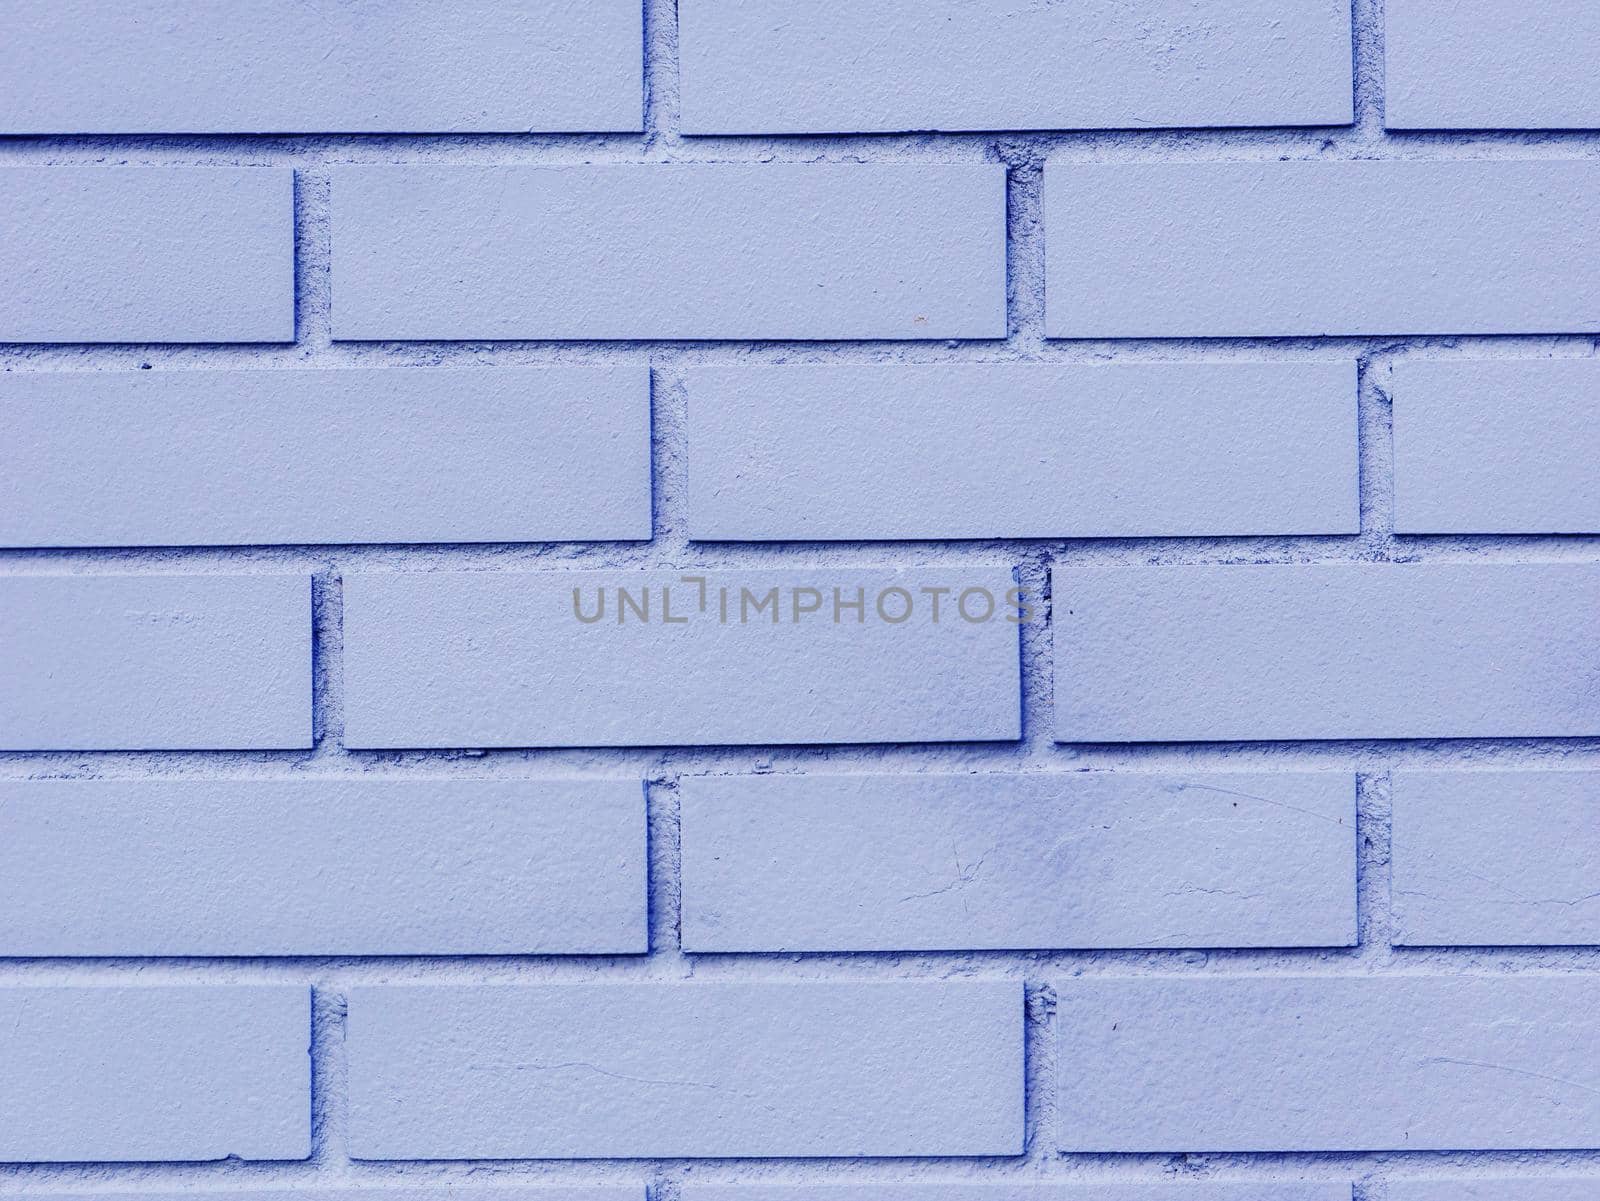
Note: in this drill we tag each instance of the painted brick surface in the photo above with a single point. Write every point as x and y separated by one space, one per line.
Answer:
938 862
1244 653
341 340
1313 248
772 67
147 1073
770 251
477 659
686 1070
194 662
1496 447
1491 858
1485 64
99 254
330 867
272 66
146 458
906 451
1409 1063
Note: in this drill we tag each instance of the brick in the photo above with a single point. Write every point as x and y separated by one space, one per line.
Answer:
324 867
1510 1188
1242 653
1321 248
1485 64
952 1190
141 1073
1320 1063
1004 451
1501 858
147 254
686 1070
488 659
1017 861
287 66
794 251
195 662
897 65
1496 447
171 458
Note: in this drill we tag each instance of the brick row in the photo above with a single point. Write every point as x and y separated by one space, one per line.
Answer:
807 251
584 658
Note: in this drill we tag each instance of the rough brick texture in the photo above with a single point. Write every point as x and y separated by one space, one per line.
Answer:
1095 508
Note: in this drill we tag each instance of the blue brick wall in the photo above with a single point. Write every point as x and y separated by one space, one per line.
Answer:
1093 520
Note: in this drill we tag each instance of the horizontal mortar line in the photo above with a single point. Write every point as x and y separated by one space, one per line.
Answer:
788 758
669 354
314 149
756 561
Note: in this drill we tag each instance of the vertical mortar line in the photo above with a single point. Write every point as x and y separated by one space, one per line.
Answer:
1375 443
327 662
661 97
313 260
1035 651
666 873
1374 900
1040 1072
1367 56
669 462
330 1079
1025 265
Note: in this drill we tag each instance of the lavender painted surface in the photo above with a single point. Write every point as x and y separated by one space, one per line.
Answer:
326 867
686 1070
726 279
1235 653
1487 64
834 66
1496 447
1407 1063
1493 858
155 662
1007 451
255 457
103 254
146 1073
939 862
354 66
476 659
821 251
1295 249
